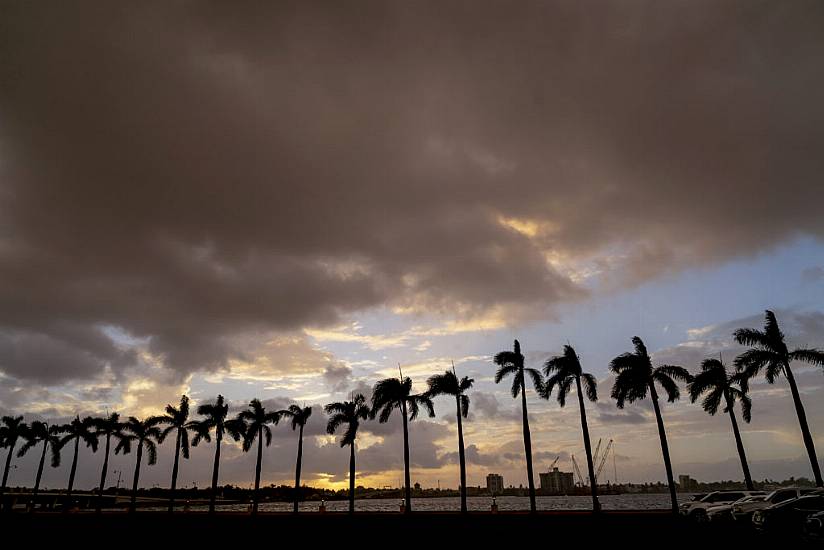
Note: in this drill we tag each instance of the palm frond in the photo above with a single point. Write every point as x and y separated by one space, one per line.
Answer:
675 372
590 386
751 361
537 379
517 380
812 356
424 400
713 400
504 371
668 384
751 337
151 450
746 406
563 389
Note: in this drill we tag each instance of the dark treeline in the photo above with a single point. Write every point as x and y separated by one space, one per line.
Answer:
636 378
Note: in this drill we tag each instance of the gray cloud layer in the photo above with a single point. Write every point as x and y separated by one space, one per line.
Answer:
190 173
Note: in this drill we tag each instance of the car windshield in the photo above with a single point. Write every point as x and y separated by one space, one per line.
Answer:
781 495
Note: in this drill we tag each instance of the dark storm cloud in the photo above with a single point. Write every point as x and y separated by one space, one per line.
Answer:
191 173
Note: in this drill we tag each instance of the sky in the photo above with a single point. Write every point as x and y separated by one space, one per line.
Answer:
289 200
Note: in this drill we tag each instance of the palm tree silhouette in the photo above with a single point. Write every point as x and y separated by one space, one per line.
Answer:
396 393
563 371
108 426
299 417
635 377
215 419
75 431
49 436
255 422
449 384
769 352
349 413
718 385
512 362
177 420
11 429
143 433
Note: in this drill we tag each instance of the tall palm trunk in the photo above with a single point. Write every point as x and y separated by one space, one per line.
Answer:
297 469
39 475
805 429
461 457
593 482
741 454
103 474
133 502
257 470
215 470
527 446
6 475
664 447
406 476
72 472
174 473
352 478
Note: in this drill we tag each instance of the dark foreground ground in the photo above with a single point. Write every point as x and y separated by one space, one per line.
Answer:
374 530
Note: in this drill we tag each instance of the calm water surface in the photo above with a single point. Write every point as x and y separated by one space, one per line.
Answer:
608 502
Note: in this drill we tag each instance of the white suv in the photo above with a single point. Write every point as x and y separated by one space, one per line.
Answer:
697 509
743 511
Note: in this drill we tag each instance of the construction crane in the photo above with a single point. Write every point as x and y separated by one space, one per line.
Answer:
603 460
554 462
578 471
597 450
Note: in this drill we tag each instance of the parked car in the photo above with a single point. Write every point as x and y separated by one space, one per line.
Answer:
814 528
697 509
723 512
788 517
743 510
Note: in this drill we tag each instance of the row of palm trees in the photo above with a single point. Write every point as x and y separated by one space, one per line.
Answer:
145 435
635 379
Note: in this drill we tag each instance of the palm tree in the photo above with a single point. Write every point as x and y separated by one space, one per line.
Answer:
143 433
177 420
11 430
215 418
349 413
299 417
49 436
512 362
718 385
396 393
76 430
769 352
563 371
255 422
635 377
108 426
449 384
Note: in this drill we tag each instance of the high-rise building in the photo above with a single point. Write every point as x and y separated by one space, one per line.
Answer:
494 484
557 481
686 483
